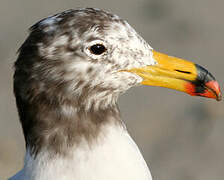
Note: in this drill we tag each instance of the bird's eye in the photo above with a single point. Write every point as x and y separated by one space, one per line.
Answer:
97 49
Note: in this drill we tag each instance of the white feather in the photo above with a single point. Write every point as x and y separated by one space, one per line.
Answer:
115 156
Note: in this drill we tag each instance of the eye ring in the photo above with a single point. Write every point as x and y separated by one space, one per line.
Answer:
97 49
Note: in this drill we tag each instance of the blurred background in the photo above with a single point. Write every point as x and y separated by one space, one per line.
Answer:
181 137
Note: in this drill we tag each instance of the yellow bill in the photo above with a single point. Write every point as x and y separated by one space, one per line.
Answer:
181 75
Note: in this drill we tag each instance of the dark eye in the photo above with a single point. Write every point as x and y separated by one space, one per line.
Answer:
97 49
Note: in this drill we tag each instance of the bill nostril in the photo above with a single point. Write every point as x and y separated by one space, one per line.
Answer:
186 72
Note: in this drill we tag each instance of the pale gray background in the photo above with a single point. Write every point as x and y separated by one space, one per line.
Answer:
181 137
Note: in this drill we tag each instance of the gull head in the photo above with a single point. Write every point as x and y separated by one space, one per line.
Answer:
89 56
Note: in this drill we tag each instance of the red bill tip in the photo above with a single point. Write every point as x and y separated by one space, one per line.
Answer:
214 89
210 89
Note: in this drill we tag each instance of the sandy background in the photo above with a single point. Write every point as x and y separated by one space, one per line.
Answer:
181 137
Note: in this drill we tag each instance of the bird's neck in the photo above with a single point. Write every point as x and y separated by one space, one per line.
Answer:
112 155
66 142
59 126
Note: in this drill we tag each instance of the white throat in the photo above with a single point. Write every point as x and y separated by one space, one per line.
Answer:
113 156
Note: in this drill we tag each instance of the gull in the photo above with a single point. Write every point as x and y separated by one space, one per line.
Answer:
68 76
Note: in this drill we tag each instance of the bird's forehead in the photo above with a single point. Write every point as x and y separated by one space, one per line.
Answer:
77 28
88 23
81 19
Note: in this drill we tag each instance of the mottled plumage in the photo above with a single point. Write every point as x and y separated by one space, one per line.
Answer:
65 94
68 76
